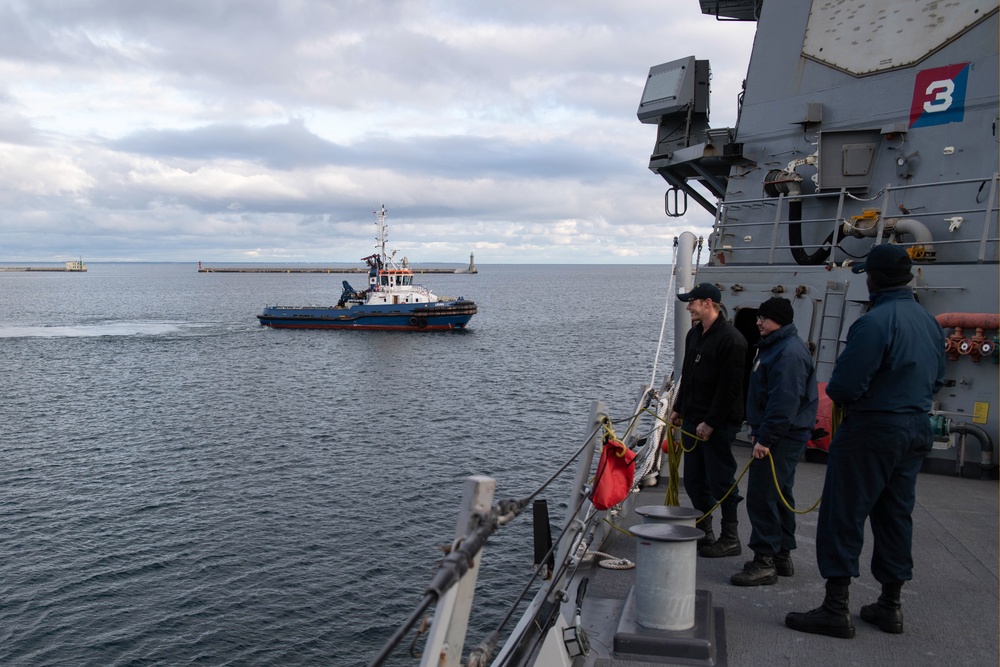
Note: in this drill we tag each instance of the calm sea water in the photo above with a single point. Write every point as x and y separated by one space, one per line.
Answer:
182 486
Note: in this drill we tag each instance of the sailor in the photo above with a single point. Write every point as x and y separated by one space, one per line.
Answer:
709 406
781 410
885 379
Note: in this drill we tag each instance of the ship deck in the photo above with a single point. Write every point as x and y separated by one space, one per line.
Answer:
950 608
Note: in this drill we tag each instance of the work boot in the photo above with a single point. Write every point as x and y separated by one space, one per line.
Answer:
832 618
783 564
758 572
706 525
885 613
728 543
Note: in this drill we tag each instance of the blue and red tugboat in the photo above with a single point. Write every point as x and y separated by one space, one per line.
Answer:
392 301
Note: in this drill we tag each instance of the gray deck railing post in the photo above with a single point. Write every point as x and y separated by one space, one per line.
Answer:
579 489
683 282
989 215
451 617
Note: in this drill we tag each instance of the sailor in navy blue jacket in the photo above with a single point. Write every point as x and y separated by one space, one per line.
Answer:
781 410
885 377
782 398
894 359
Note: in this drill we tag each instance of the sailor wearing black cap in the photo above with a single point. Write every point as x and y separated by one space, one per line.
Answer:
885 378
709 405
781 410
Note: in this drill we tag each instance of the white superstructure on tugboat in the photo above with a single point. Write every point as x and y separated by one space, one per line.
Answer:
391 302
860 123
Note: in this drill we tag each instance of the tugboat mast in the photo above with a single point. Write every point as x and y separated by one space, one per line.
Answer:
383 234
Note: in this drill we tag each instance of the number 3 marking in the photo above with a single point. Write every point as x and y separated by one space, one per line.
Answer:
942 99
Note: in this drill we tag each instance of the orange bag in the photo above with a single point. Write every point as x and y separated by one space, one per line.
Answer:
615 473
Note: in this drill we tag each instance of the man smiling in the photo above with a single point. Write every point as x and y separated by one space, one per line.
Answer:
709 407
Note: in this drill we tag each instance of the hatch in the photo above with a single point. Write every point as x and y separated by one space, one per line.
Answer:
863 37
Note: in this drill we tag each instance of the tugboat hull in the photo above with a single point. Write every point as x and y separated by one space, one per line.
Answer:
437 316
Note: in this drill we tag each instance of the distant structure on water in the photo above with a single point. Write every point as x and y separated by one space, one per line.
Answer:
316 269
72 266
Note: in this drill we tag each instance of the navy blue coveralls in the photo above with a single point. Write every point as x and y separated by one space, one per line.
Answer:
781 410
886 378
711 391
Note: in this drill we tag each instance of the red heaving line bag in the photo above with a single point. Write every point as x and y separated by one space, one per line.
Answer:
615 472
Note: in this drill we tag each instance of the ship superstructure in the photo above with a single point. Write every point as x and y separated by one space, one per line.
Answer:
860 123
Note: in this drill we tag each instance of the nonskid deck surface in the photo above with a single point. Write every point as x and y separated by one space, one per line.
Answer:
950 608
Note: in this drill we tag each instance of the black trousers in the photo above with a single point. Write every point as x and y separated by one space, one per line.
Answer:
710 470
871 473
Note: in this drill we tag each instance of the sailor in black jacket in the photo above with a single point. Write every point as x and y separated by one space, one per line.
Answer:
709 405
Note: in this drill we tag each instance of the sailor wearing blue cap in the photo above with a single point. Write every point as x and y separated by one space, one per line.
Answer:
885 379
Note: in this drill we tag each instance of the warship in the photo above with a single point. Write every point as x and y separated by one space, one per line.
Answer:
859 123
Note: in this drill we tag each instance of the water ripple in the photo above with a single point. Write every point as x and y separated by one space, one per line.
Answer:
184 487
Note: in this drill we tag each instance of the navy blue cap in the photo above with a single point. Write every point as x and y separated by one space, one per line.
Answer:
892 259
702 291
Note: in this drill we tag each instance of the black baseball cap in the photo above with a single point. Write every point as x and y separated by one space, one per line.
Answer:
702 291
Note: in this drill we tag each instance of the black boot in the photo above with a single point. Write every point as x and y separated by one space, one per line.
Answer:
783 564
832 618
758 572
706 525
886 613
728 543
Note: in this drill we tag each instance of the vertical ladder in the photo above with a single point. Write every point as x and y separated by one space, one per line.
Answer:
834 303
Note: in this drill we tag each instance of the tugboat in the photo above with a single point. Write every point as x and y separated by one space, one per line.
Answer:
392 301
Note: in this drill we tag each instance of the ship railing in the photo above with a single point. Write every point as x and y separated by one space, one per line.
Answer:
453 586
728 228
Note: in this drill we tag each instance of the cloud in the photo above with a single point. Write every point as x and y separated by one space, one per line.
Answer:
226 130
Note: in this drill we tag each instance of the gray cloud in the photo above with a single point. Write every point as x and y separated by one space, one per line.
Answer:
255 129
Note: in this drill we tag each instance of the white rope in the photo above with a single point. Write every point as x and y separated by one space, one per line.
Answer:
646 457
612 562
666 313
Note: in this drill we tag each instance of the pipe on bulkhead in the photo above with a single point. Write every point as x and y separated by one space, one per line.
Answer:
957 344
867 224
986 461
918 230
969 320
782 181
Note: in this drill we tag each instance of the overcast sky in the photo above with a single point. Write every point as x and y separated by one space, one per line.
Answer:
269 130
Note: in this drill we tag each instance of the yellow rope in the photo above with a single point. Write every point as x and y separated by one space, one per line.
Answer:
674 465
837 415
728 493
609 431
620 530
774 474
674 449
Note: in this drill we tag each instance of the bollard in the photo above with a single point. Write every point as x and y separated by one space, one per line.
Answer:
665 567
677 516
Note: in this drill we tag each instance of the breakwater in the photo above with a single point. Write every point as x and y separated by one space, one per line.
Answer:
308 269
70 267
